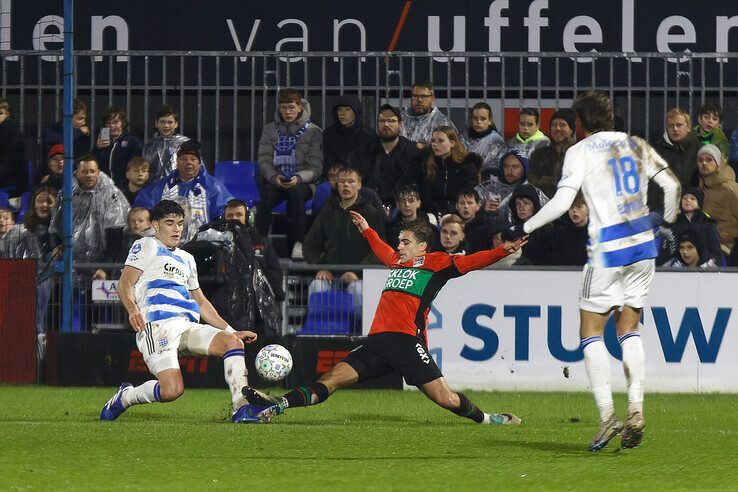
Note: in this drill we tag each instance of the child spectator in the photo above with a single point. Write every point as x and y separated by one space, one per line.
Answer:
137 174
709 128
161 150
113 153
55 163
120 240
529 136
348 141
692 217
13 169
567 241
483 139
524 203
53 134
452 235
408 211
477 224
692 252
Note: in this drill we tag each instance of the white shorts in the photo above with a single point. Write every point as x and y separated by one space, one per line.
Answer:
162 342
605 288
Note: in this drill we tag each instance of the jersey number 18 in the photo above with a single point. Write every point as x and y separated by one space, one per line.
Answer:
625 172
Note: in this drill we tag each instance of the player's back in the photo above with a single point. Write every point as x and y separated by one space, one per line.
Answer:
167 277
613 170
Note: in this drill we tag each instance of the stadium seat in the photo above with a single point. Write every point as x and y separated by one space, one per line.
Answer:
240 177
329 313
4 199
281 208
25 203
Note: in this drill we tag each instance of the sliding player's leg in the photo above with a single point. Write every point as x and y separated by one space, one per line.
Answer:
439 392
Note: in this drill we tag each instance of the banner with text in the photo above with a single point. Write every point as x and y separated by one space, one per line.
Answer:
519 330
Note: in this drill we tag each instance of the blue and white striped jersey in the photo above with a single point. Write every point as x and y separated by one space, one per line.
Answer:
168 276
613 169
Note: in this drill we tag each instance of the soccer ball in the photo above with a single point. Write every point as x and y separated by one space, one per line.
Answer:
273 363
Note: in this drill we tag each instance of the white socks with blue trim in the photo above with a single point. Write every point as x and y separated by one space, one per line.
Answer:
597 361
634 366
234 367
146 393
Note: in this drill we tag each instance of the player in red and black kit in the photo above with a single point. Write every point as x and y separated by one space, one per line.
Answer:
397 338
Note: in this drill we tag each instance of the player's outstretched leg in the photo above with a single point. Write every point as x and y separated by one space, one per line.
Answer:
127 395
340 376
634 368
438 391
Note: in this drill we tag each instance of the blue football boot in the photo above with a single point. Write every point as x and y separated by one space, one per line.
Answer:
114 407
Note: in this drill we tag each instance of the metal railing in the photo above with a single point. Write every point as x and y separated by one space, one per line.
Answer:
225 98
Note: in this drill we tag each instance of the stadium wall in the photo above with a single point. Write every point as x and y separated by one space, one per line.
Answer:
519 330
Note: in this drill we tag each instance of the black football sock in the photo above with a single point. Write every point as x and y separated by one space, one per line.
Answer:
303 396
468 410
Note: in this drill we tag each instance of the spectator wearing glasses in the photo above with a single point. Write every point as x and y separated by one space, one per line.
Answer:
422 117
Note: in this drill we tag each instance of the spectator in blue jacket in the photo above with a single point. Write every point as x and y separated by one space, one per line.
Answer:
205 196
114 152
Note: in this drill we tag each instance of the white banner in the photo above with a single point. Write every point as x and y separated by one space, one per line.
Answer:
519 330
105 291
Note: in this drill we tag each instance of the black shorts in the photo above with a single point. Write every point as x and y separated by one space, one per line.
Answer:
384 352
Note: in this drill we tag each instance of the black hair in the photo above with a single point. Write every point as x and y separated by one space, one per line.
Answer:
409 189
87 158
469 192
166 208
531 112
711 108
166 110
235 202
422 231
594 109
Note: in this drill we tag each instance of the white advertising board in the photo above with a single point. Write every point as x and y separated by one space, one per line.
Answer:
519 330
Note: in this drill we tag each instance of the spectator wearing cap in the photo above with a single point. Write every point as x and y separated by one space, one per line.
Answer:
692 252
205 195
483 139
114 152
495 192
717 181
55 162
546 161
692 217
393 156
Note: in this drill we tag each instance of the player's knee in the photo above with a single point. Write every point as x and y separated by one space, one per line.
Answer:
233 342
171 391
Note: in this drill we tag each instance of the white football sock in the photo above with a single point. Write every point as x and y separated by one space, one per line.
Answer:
234 367
146 393
597 360
634 366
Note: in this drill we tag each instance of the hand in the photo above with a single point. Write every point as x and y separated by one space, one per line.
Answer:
359 221
280 182
137 320
102 143
512 247
349 277
99 275
491 206
246 336
420 145
85 130
294 181
324 275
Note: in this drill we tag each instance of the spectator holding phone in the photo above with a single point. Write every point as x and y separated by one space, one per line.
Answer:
115 146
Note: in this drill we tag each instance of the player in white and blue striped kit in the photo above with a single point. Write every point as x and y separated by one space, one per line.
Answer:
160 291
612 170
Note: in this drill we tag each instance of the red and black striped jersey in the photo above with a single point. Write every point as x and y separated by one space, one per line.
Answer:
411 286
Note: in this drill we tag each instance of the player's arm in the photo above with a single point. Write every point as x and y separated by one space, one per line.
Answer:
555 208
481 259
211 317
669 183
128 279
381 250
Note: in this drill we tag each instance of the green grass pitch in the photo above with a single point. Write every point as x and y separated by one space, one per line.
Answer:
359 440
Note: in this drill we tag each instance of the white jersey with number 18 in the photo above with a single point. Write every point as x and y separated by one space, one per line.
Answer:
612 169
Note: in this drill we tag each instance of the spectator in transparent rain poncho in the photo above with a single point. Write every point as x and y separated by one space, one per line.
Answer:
529 136
483 139
422 117
201 195
161 150
97 205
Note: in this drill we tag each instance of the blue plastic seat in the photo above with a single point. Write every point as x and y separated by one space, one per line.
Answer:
240 177
329 313
4 199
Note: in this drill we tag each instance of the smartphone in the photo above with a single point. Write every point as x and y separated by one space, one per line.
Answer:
105 134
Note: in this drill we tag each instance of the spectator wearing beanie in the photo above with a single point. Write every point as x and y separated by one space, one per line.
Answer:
692 252
205 196
546 161
717 181
692 217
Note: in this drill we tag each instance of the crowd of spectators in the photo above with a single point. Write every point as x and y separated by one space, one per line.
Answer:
414 165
